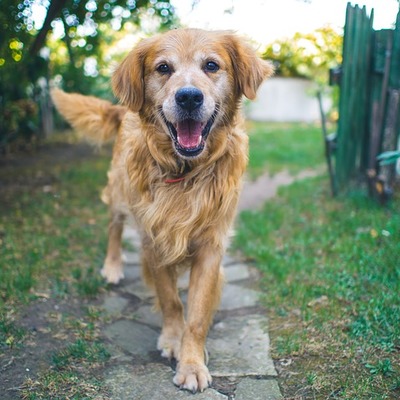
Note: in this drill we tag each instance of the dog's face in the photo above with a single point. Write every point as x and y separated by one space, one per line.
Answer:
189 82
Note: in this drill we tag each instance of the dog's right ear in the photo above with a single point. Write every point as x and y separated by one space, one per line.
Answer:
128 79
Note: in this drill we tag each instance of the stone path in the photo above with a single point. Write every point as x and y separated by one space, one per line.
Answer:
238 341
266 186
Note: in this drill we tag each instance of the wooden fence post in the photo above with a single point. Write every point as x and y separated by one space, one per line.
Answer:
369 104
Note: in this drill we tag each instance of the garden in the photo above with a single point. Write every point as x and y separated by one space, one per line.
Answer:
329 264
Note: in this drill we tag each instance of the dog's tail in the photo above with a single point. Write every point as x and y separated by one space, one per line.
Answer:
97 120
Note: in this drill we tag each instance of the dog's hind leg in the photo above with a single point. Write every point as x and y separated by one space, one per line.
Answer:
113 266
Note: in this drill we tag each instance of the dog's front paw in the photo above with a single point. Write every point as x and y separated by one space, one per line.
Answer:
112 271
192 377
170 345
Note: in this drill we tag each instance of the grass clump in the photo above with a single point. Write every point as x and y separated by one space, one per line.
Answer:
80 352
73 370
63 385
71 374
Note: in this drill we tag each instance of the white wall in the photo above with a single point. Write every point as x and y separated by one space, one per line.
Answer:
285 100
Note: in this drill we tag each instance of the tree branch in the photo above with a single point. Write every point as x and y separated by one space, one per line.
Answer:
53 12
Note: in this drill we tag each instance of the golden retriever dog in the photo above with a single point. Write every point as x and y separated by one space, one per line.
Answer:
179 156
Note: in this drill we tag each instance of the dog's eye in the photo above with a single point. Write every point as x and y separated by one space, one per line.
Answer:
163 69
211 66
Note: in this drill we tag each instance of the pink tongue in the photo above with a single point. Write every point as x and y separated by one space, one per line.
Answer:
189 133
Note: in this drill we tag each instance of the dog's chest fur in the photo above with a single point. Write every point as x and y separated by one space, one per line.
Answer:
199 208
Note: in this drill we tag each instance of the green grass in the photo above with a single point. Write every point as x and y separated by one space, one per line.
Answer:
44 228
331 285
10 334
62 385
70 373
294 147
79 352
53 230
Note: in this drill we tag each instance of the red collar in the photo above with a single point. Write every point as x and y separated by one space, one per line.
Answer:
185 169
175 180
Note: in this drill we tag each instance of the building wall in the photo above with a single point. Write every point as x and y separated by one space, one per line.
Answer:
285 100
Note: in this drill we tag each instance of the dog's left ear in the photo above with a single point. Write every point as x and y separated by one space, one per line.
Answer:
250 70
128 79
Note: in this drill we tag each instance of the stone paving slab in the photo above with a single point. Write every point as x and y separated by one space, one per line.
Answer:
228 260
147 315
132 273
236 272
131 235
265 187
239 346
257 389
133 337
131 257
150 382
138 289
232 273
235 296
114 305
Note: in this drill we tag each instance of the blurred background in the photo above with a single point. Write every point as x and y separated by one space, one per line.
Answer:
76 45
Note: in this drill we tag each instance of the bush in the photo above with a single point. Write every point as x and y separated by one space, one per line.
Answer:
307 55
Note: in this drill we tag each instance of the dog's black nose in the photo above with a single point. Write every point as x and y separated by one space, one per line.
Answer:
189 98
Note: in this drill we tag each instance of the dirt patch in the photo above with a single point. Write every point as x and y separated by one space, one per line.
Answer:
26 172
43 323
52 152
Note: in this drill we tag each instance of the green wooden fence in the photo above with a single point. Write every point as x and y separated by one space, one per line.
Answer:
369 106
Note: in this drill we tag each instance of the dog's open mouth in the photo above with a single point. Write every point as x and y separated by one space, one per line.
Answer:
189 136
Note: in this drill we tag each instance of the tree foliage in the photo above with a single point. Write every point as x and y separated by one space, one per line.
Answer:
68 35
307 55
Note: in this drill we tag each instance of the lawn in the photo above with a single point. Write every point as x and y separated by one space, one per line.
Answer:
277 146
52 241
331 282
49 216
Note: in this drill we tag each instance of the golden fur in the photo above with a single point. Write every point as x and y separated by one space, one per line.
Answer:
180 186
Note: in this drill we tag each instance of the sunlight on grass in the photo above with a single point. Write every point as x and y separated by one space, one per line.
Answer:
274 147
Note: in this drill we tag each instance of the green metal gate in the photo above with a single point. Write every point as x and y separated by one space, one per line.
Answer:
369 106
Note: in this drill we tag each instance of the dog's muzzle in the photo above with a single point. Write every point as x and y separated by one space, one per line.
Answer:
190 132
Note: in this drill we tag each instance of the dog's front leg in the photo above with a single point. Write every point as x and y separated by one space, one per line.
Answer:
169 342
205 286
